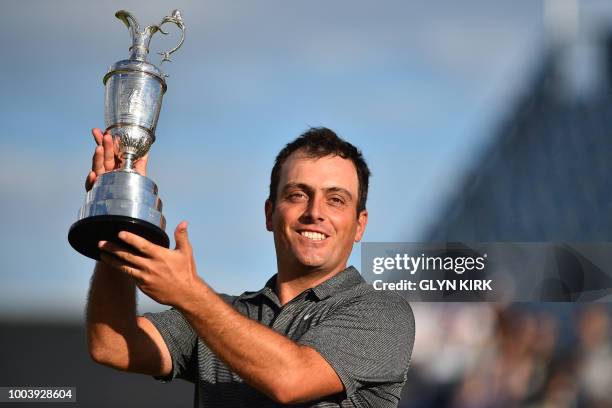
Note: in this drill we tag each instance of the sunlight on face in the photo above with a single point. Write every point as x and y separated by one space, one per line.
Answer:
315 219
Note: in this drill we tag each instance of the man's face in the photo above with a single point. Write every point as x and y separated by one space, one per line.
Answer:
315 219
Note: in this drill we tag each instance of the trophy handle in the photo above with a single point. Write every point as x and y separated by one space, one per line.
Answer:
175 18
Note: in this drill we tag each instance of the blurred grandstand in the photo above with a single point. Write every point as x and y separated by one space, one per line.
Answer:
523 355
545 177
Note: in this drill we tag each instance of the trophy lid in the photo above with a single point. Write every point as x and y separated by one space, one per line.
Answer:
129 65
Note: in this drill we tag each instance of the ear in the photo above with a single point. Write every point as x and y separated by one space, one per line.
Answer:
362 221
269 209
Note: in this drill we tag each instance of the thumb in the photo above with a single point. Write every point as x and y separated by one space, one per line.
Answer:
181 238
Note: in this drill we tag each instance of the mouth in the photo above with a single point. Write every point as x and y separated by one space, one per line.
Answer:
313 235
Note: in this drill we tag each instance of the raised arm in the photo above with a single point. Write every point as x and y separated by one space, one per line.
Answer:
117 337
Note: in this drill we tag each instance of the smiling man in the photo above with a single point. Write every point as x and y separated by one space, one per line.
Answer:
316 334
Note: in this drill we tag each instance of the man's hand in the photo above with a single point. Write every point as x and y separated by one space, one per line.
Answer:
168 276
105 158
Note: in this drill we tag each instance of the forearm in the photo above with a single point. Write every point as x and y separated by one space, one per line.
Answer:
111 310
264 358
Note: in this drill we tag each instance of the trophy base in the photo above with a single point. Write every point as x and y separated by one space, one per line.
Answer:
85 234
120 200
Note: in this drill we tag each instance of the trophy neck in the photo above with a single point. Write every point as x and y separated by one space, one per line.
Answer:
138 53
140 44
127 162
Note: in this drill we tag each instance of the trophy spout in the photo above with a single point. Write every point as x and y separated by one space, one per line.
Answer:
140 39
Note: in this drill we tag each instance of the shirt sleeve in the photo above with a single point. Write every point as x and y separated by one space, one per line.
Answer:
181 341
367 340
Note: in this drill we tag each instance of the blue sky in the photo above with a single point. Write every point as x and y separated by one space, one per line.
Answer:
417 85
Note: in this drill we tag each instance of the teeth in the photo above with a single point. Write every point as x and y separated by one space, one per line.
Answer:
315 236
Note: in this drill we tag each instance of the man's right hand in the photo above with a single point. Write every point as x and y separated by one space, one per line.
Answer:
105 159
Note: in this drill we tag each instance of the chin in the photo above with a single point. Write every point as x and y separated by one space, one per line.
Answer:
310 261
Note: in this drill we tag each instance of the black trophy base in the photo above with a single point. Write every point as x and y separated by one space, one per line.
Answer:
85 234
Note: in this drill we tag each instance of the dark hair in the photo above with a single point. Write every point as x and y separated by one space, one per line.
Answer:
320 142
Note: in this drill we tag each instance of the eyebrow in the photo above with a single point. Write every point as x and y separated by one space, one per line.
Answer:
306 187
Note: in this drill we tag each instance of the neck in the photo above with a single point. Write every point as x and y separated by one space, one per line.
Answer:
293 280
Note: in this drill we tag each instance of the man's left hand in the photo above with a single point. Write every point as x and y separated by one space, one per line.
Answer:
168 276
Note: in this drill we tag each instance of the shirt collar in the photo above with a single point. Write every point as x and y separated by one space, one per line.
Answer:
346 279
267 290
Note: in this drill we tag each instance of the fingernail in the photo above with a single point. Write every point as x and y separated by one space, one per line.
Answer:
101 244
122 234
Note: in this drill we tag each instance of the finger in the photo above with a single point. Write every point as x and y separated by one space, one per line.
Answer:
97 161
97 134
90 180
141 165
119 265
181 238
145 247
109 152
123 254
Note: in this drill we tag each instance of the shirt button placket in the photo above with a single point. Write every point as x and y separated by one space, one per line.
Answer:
280 322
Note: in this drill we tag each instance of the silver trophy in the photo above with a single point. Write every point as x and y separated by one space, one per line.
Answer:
123 200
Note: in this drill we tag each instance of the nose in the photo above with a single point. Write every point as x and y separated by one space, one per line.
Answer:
315 209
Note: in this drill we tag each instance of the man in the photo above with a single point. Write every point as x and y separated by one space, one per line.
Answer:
316 334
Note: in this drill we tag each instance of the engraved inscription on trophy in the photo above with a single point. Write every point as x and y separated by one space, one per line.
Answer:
122 199
135 102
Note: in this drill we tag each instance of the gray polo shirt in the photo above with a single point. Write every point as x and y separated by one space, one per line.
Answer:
364 334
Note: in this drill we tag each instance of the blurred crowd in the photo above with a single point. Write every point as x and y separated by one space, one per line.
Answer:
519 355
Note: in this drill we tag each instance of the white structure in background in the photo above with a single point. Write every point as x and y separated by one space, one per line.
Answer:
575 30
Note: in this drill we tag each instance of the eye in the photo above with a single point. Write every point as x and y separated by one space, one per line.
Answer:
336 200
297 196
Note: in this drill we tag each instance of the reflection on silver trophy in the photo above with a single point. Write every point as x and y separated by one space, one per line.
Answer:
123 200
